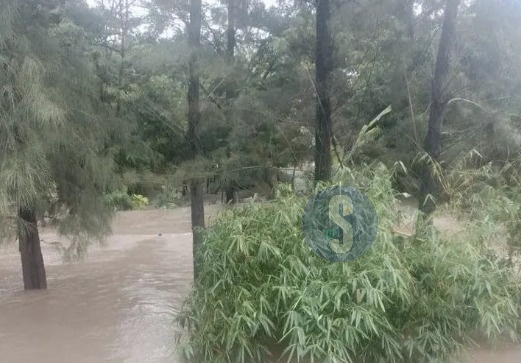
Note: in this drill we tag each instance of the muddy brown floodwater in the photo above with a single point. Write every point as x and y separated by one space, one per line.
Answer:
118 304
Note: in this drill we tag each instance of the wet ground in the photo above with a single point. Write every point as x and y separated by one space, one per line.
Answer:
117 305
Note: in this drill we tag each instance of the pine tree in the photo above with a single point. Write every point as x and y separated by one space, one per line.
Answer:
323 131
53 158
439 95
194 119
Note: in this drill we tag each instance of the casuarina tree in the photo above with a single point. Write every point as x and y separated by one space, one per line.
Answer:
323 59
53 158
194 119
439 100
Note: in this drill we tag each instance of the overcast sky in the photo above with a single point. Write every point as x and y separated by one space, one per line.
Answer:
138 10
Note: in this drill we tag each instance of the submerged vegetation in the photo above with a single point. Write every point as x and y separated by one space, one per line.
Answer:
410 299
110 105
122 200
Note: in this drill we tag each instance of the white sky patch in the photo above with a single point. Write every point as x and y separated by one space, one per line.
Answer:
139 10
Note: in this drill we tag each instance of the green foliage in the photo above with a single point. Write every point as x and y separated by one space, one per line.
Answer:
53 130
139 201
417 299
169 197
491 195
121 200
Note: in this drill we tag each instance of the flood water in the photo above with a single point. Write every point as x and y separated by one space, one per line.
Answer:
118 304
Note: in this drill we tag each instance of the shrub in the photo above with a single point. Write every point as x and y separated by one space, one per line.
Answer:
138 201
489 196
417 299
168 197
120 200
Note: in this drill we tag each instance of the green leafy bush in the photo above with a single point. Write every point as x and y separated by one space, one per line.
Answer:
489 195
120 200
261 290
139 201
169 197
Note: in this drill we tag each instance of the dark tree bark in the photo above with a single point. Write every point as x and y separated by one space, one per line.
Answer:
124 16
323 130
194 119
439 99
230 32
230 193
230 189
33 268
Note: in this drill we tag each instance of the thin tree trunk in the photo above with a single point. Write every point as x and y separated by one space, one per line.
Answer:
194 119
197 214
231 194
230 32
124 13
439 99
274 181
323 130
33 268
230 190
293 176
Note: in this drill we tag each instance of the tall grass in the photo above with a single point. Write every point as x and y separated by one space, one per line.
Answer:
418 299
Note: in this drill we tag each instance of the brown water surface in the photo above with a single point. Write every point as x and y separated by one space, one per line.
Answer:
118 304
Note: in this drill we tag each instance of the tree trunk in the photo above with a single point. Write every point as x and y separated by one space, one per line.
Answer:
194 119
33 268
439 98
231 194
231 91
197 213
124 15
293 176
323 131
274 181
230 32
